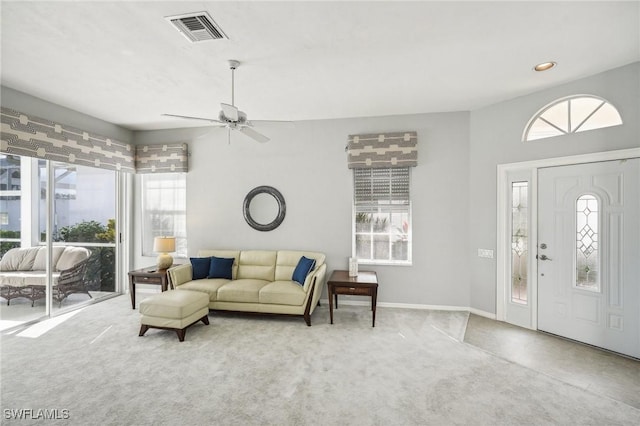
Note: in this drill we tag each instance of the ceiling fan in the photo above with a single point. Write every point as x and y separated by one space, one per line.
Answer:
231 117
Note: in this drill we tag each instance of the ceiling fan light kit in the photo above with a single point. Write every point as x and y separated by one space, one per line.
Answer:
230 116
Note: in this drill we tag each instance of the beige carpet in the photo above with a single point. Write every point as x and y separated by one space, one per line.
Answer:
411 369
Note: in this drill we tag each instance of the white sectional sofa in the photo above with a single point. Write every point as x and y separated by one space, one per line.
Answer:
23 272
258 281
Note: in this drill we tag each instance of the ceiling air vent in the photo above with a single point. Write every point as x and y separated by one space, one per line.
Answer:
197 26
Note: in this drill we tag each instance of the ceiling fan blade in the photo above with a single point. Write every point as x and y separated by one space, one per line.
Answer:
211 120
253 134
230 111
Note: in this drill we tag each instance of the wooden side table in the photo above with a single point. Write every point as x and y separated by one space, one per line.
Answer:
150 275
365 284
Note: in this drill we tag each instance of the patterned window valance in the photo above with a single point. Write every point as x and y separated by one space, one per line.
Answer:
30 136
26 135
398 149
161 158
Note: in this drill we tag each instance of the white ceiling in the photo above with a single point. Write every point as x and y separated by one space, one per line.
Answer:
124 63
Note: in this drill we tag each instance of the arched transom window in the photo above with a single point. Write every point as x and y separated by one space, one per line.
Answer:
571 115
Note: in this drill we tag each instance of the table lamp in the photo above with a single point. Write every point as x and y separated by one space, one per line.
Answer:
164 246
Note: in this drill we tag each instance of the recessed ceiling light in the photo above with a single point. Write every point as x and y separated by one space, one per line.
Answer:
544 66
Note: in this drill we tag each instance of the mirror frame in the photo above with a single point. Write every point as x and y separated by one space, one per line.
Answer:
282 208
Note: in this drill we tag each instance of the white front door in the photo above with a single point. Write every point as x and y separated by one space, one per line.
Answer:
589 253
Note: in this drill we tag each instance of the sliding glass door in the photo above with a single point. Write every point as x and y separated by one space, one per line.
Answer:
20 285
69 211
83 223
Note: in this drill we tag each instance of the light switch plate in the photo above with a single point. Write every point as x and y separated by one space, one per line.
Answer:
488 253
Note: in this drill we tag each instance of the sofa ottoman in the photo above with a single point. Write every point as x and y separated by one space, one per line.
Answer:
174 310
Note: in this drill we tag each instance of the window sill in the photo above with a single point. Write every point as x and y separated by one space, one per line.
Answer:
384 263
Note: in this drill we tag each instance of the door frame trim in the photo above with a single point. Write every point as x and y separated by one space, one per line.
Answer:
503 240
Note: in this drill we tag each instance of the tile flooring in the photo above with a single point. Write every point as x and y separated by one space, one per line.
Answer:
598 371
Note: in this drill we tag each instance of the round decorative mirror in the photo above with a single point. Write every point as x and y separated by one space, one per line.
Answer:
264 208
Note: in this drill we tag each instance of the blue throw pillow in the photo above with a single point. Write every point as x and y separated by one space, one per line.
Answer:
302 269
200 267
221 267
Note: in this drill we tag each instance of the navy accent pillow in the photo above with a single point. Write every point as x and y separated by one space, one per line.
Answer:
302 269
221 267
200 267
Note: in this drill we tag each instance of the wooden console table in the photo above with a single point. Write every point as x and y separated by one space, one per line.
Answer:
365 284
151 275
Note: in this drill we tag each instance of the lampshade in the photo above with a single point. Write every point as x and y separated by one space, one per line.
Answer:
164 245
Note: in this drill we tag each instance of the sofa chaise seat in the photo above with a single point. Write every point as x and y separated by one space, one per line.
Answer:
261 281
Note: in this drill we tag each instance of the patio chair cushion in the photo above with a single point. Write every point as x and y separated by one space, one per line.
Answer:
18 259
71 256
26 278
35 258
40 263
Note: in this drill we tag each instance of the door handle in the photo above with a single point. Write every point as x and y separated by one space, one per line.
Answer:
543 257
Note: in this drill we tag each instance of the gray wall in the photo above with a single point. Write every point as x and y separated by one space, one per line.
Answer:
454 186
307 164
23 102
496 133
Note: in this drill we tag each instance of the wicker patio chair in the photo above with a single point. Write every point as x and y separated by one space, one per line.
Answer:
73 280
70 281
9 292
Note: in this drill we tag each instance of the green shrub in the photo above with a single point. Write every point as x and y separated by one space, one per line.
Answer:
101 269
5 246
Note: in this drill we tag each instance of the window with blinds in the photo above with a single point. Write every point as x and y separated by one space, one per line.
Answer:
164 210
382 215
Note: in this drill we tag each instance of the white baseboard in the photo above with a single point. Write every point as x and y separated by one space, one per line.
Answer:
482 313
154 289
415 306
